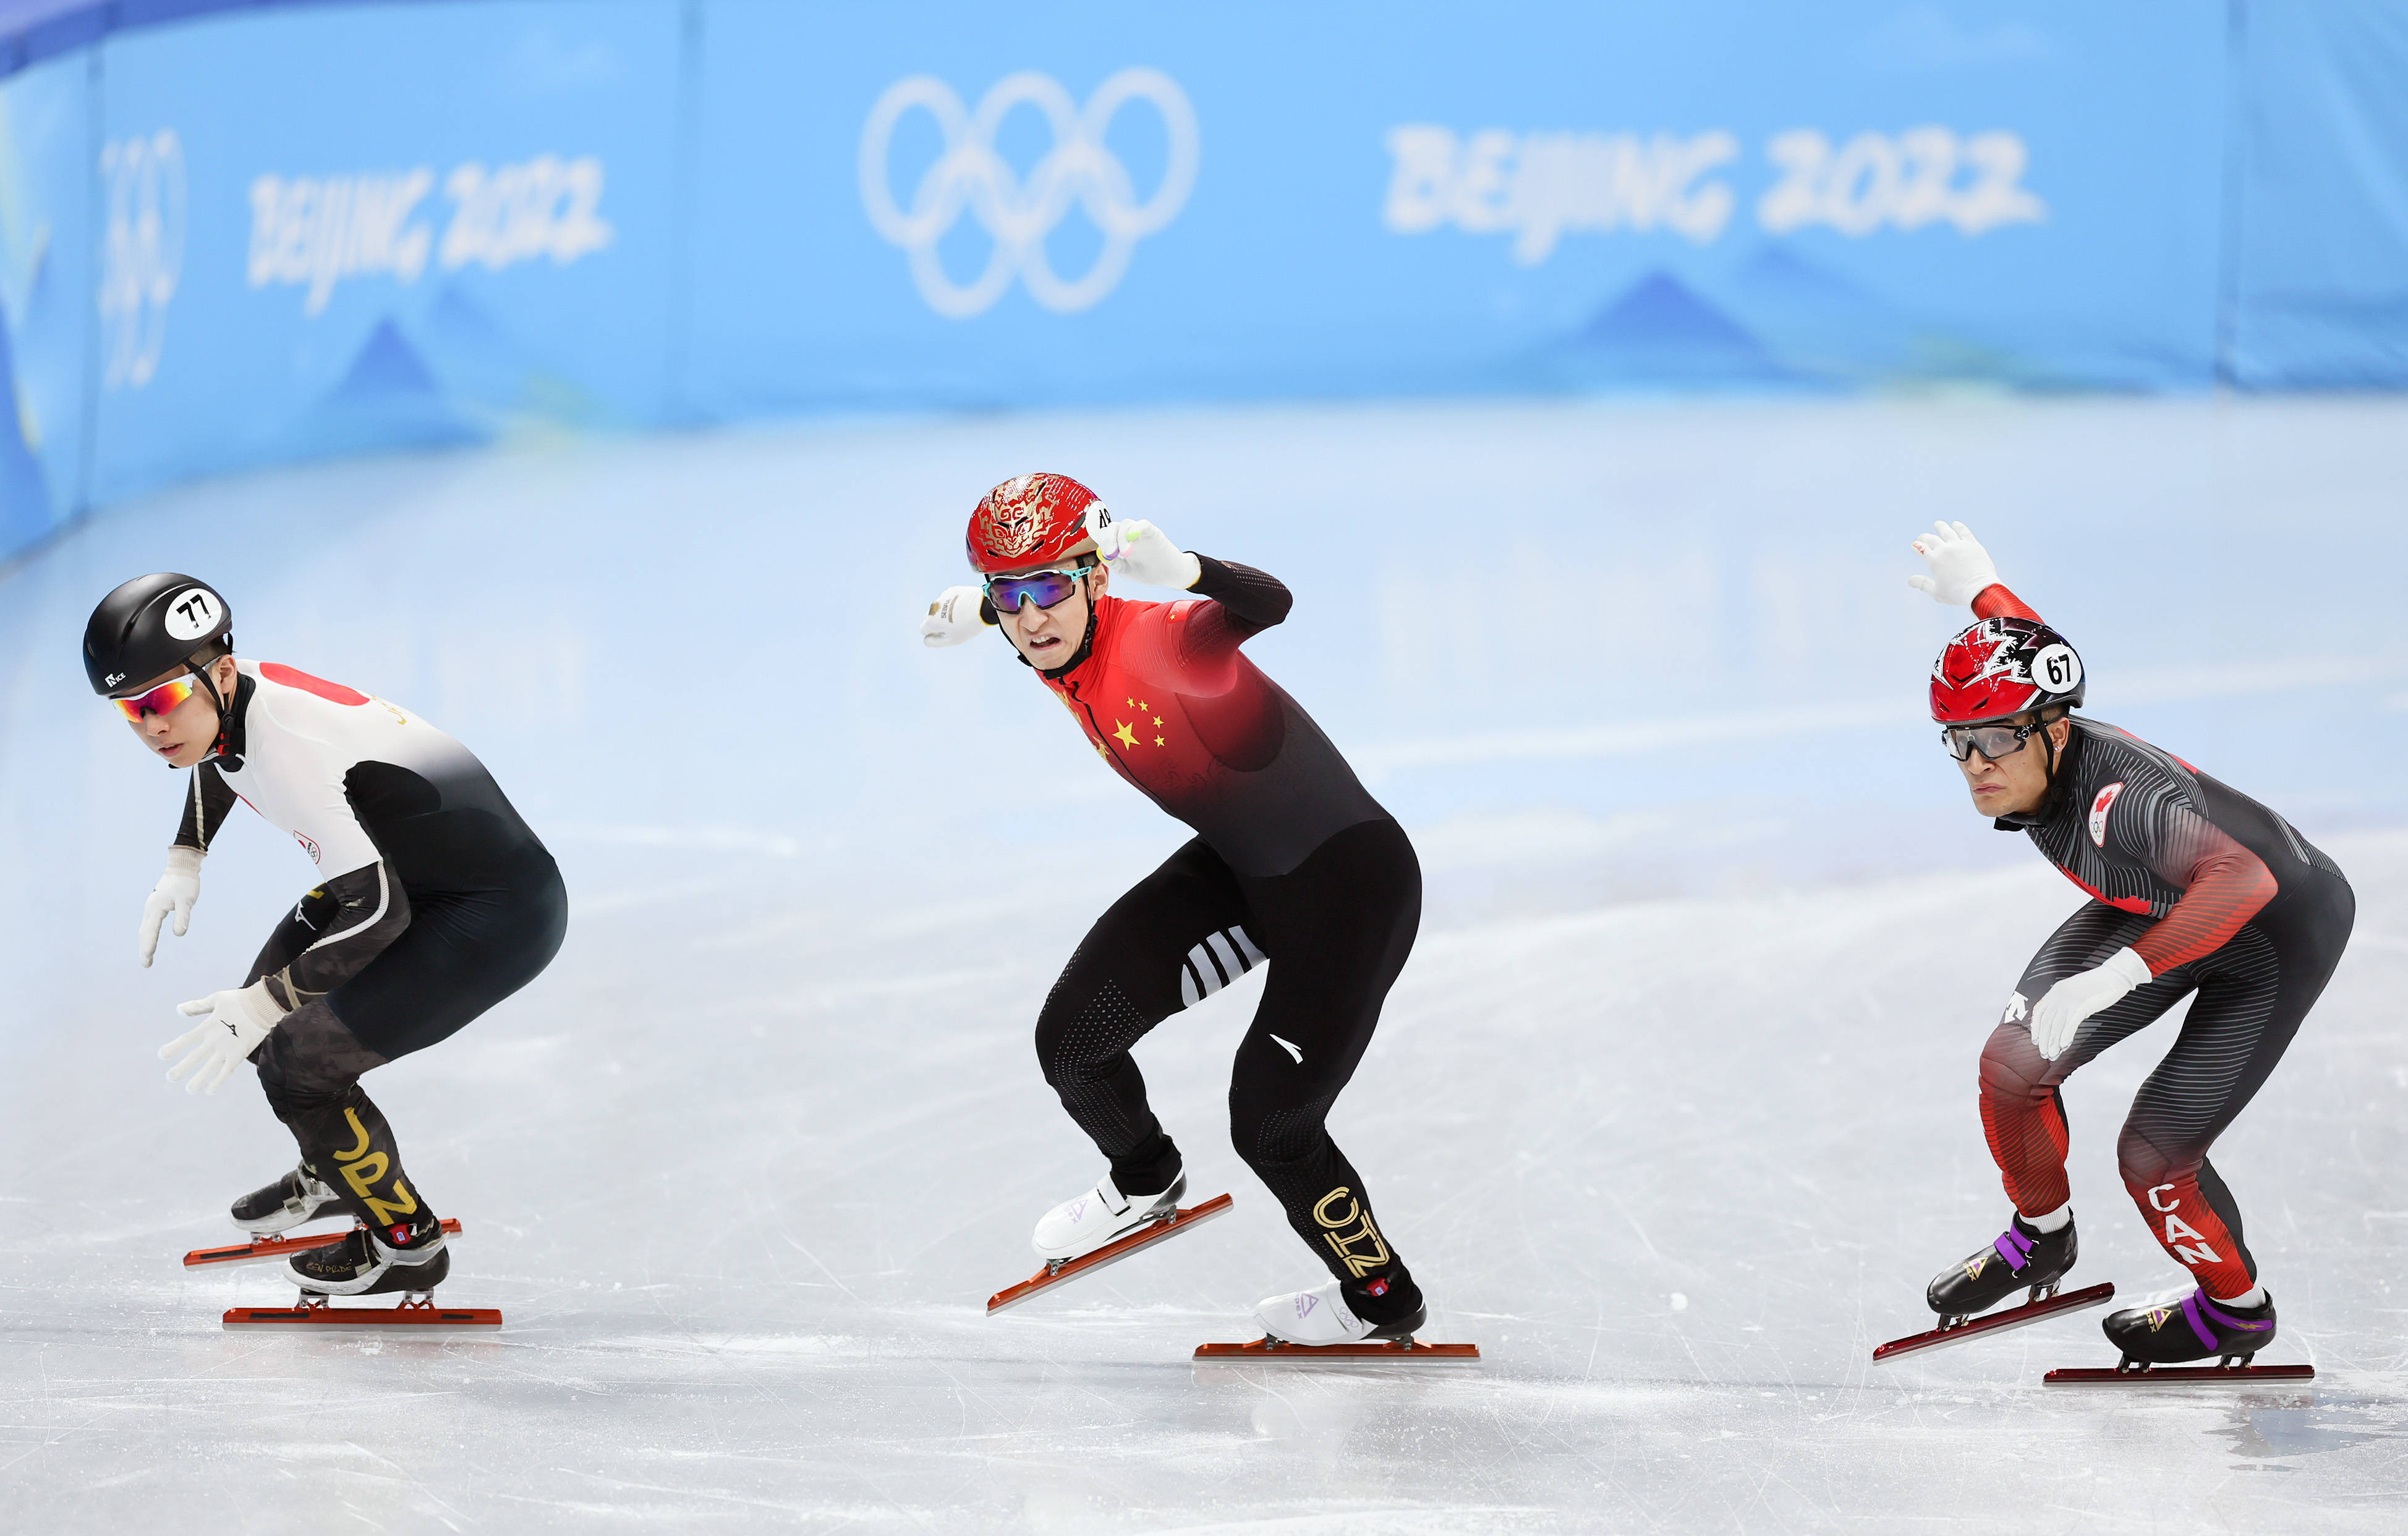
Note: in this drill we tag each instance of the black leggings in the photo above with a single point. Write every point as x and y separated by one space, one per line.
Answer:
1338 928
460 956
2252 994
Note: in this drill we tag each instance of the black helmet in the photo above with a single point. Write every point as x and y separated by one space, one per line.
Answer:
149 625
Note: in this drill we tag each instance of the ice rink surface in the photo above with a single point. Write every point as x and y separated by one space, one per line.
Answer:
1673 1113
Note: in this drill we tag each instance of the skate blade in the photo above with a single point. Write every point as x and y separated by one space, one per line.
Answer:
2182 1375
1997 1322
259 1250
1110 1253
325 1318
1278 1352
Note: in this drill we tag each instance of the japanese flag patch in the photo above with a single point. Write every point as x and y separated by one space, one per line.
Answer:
2098 808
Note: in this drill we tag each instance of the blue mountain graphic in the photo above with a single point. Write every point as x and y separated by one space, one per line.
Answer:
387 398
1660 331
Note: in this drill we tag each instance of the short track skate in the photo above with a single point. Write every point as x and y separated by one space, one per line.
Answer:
315 1315
2141 1373
2044 1303
1058 1272
258 1250
1269 1351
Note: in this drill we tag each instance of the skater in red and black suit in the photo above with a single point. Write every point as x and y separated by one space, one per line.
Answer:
2196 891
1293 863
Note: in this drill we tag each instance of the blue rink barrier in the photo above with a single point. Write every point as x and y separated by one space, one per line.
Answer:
234 235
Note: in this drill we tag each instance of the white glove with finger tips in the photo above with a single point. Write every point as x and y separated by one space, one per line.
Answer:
2059 1016
1960 566
954 617
234 1024
1142 552
175 892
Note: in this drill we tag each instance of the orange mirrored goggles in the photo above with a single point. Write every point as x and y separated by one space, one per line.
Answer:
158 701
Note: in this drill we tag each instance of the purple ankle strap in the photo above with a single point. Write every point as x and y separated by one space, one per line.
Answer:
2197 1303
2016 1248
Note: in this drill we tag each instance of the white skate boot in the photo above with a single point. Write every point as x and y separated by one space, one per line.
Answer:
1080 1226
1320 1317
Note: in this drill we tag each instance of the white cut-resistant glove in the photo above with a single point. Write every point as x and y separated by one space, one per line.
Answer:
954 617
234 1024
2056 1018
1960 566
1142 552
175 892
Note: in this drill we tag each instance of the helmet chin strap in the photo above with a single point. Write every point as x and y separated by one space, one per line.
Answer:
225 711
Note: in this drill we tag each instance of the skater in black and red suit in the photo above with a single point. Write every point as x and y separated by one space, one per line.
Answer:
2196 891
1293 863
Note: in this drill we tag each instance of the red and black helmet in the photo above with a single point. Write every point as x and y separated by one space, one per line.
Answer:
1032 519
1996 669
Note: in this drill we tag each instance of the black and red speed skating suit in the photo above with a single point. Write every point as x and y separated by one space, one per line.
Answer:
2229 906
1292 862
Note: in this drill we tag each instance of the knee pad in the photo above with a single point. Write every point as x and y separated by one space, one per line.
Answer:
310 1061
1278 1137
1079 1029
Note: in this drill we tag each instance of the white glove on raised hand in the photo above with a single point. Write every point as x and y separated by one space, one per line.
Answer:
175 892
235 1023
2056 1018
954 617
1960 566
1142 552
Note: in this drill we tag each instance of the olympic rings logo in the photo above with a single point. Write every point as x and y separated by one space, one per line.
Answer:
1018 215
143 251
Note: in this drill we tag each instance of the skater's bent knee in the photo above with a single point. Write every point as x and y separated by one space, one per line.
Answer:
310 1059
2146 1166
2011 1066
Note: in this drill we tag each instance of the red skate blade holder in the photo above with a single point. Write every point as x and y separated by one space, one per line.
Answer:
1997 1322
1060 1271
1279 1351
316 1314
2139 1374
259 1250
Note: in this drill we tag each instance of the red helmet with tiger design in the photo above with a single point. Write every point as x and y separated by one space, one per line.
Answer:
1033 520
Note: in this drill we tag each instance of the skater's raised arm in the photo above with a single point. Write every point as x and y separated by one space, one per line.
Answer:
1962 574
1191 645
1253 600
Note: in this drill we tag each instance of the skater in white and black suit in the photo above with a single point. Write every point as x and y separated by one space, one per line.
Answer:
434 901
2196 891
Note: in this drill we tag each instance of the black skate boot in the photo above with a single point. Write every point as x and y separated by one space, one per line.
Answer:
2194 1328
2020 1257
1392 1304
366 1263
289 1201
